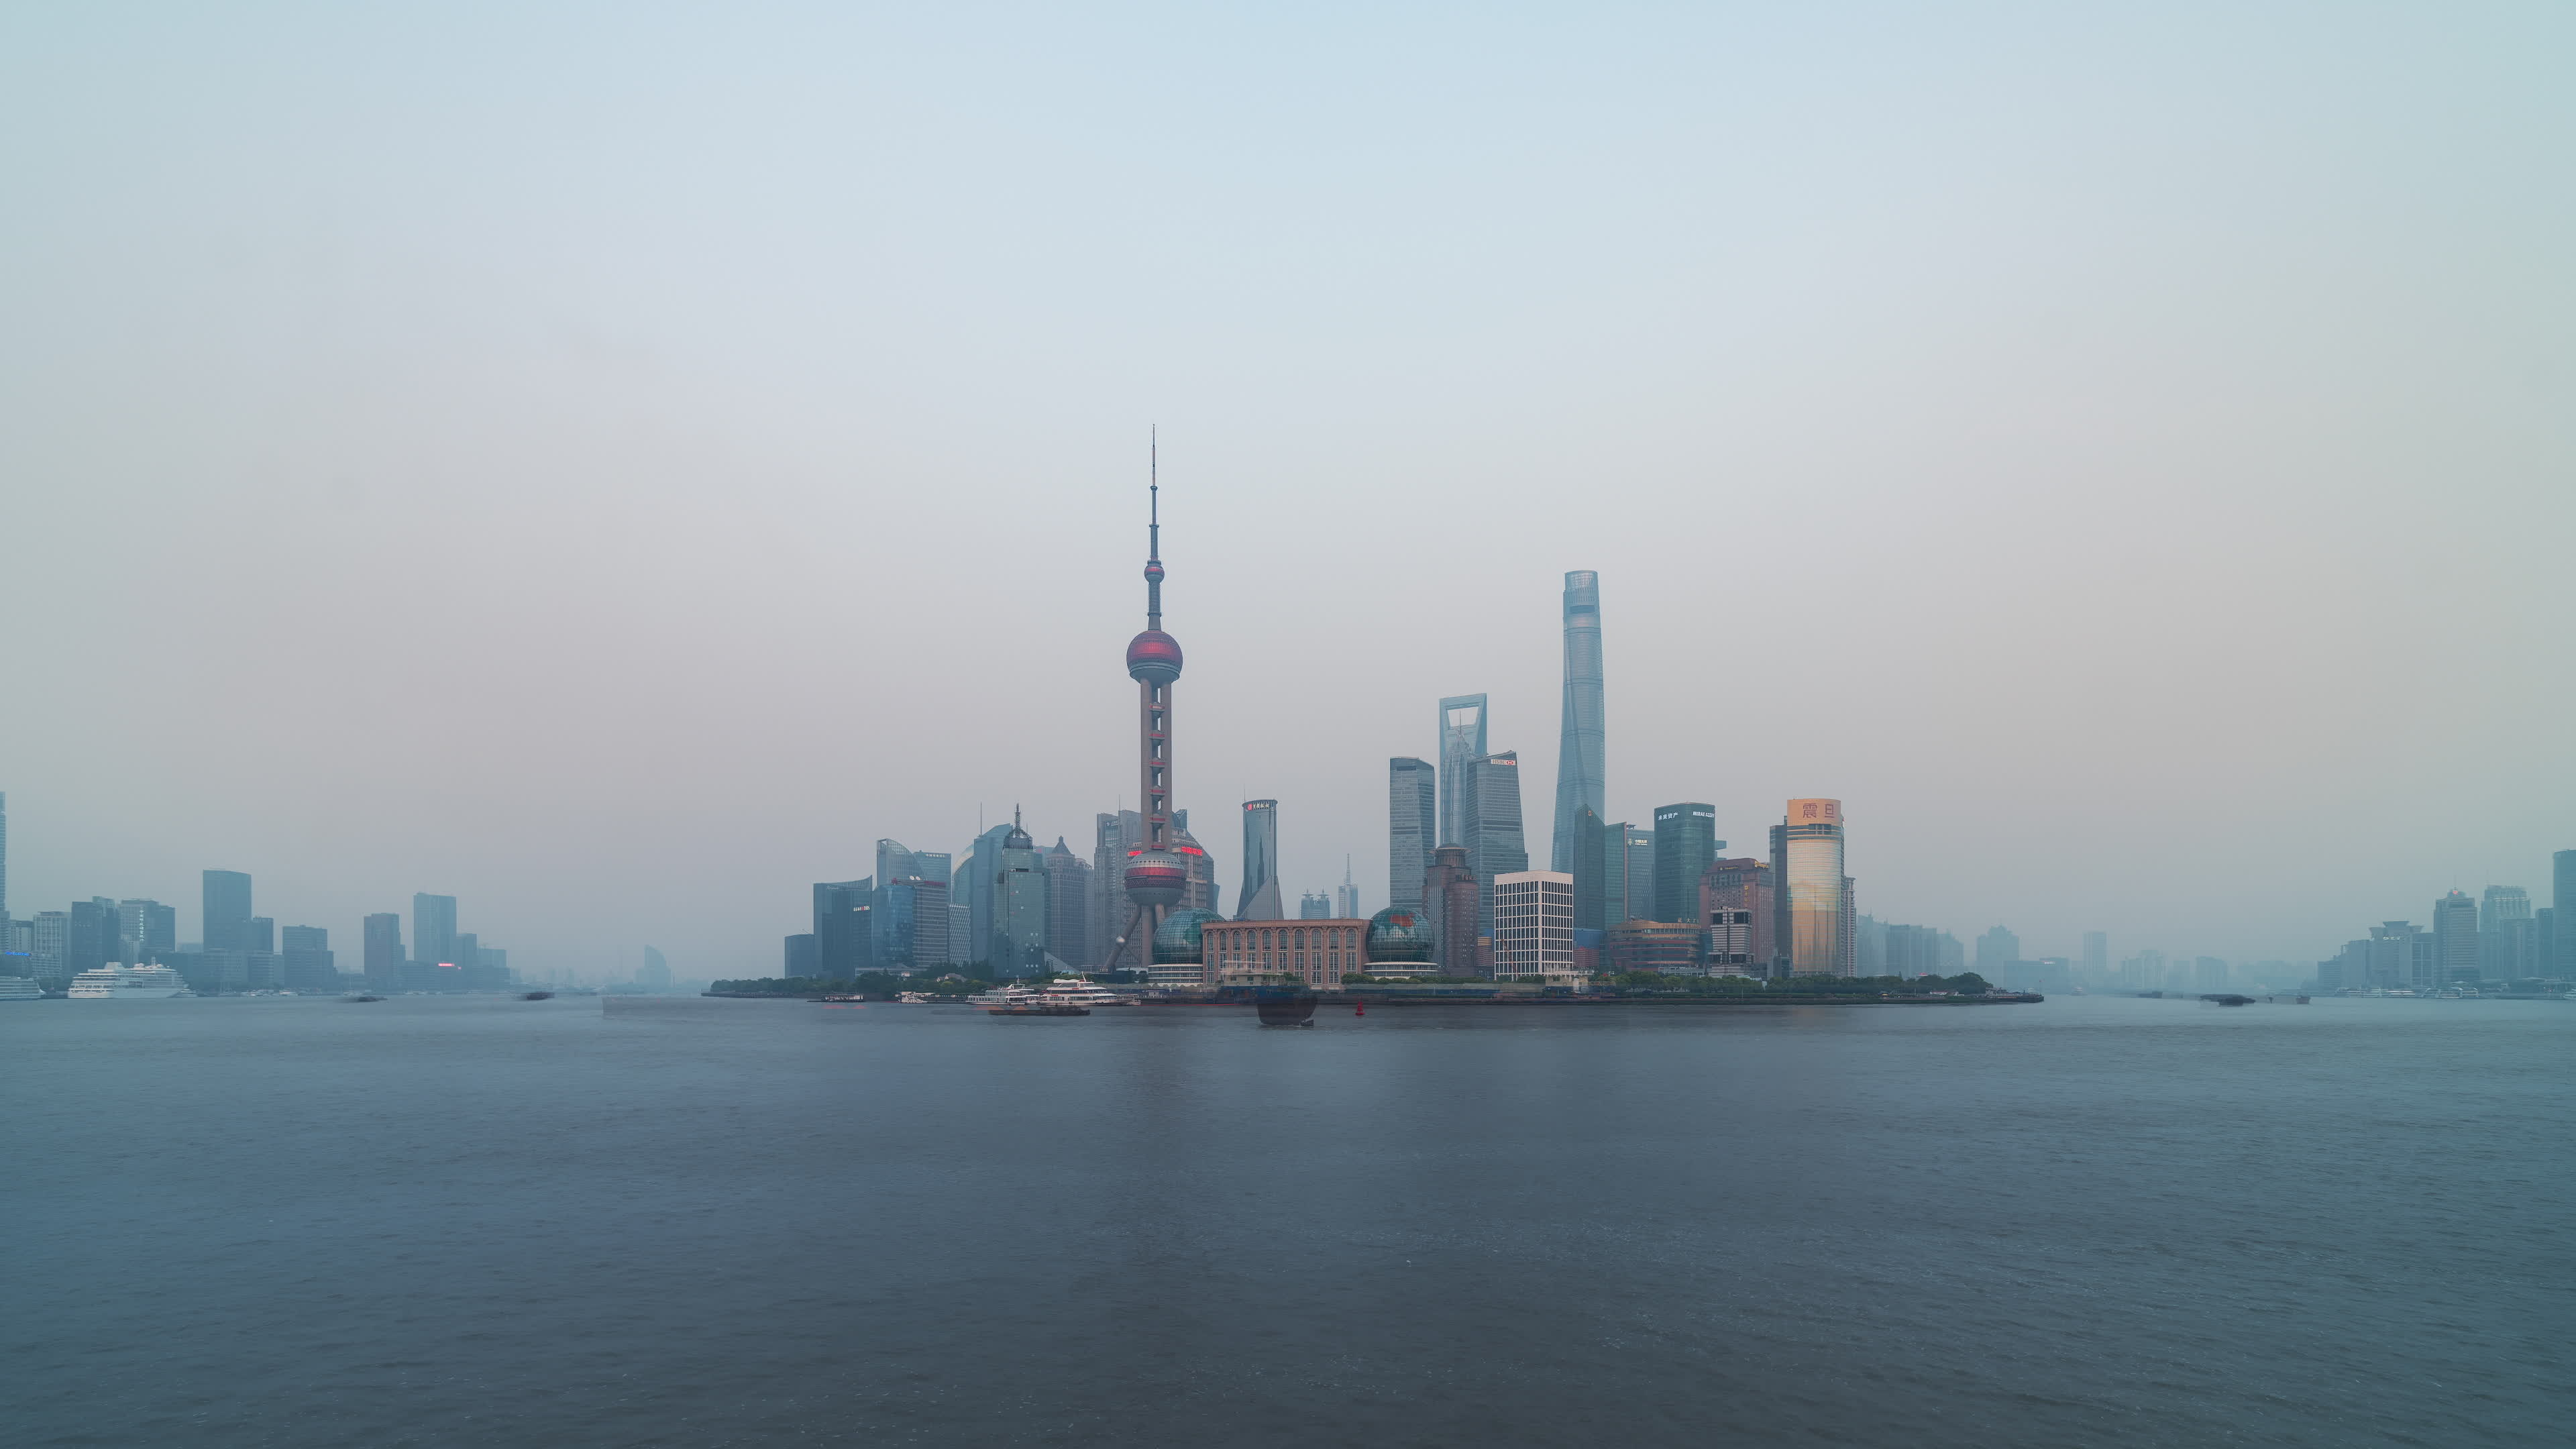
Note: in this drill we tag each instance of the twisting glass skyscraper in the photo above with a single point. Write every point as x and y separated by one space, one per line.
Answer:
1578 741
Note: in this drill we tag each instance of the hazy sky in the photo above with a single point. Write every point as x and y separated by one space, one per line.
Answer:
613 462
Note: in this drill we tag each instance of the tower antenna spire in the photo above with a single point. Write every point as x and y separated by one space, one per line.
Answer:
1153 527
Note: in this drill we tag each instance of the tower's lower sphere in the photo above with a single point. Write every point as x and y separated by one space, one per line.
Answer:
1156 878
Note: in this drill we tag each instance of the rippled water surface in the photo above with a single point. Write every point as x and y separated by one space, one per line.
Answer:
694 1222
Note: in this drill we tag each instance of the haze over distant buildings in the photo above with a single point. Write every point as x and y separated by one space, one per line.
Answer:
2129 473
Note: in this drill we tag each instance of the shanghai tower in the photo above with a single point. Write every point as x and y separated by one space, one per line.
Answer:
1578 743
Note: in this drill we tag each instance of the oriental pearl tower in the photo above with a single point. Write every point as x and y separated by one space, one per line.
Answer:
1156 877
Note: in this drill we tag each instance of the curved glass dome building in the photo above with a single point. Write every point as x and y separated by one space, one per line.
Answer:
1176 941
1399 935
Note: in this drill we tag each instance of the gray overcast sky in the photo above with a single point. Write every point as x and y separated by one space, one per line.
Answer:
613 462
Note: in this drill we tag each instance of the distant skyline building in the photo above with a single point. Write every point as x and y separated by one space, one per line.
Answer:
1638 866
1914 951
1348 899
1998 951
2097 957
89 940
47 934
916 925
1685 842
1817 892
146 930
1314 906
224 916
971 885
654 974
2562 904
2455 938
1735 904
844 927
1534 926
305 960
2400 955
383 958
2506 934
1450 895
1591 871
1068 906
1869 946
1202 893
1579 739
1156 876
1462 744
4 863
433 929
1412 827
1113 834
895 862
1259 898
1018 907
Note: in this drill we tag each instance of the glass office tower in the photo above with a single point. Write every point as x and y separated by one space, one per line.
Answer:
2562 907
1685 842
2455 937
1639 871
1816 889
1462 744
225 919
1495 844
1259 898
1412 821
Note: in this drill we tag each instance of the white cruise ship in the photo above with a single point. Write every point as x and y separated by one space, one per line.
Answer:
1055 993
1080 993
20 988
127 983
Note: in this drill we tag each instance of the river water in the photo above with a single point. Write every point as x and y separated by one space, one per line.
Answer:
2096 1221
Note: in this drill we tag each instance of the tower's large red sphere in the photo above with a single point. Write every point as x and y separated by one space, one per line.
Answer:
1156 878
1154 657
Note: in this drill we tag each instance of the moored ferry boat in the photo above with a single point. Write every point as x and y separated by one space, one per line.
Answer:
1028 1001
1080 993
128 983
20 988
1056 993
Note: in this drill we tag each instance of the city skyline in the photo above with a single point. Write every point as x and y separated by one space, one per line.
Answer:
434 932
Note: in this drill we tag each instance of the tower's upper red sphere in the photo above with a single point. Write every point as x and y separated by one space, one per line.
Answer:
1154 656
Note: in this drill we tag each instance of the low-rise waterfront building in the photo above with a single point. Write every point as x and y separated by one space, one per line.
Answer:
1670 947
1319 953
